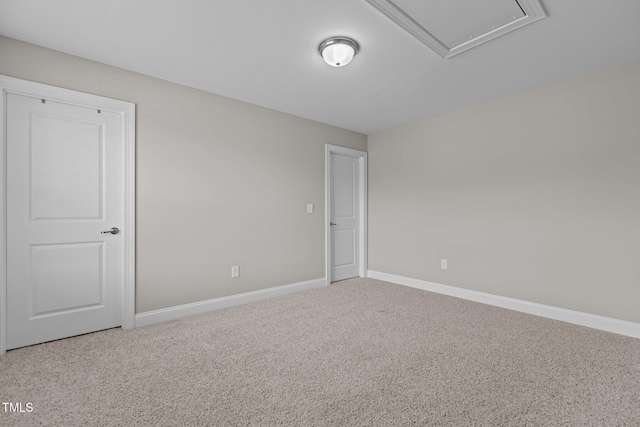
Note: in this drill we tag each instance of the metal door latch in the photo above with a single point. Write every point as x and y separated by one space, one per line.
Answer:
114 230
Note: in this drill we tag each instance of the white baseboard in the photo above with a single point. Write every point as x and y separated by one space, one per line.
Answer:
170 313
594 321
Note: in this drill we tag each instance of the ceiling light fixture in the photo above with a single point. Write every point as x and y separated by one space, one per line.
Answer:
338 51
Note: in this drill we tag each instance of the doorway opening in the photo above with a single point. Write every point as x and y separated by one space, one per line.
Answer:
67 213
345 213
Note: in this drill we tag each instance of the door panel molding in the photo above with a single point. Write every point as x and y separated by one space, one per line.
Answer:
127 112
362 182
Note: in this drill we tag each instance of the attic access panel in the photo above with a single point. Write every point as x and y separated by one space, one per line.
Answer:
450 27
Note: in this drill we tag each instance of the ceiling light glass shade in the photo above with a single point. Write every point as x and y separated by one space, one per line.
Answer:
338 51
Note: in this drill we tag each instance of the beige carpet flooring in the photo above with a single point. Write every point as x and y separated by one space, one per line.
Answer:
358 353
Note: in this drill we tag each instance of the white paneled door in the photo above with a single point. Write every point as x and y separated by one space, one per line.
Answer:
344 217
65 202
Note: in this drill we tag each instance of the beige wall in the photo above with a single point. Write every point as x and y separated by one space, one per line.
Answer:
535 196
219 182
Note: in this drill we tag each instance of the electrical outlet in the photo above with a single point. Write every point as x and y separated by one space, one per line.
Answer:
443 264
235 271
309 208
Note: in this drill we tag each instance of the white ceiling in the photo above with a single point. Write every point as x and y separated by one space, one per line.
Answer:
265 52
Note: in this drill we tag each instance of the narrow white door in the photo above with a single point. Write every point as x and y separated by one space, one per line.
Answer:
64 190
344 216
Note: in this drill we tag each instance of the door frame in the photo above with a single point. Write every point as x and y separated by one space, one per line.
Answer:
127 112
362 202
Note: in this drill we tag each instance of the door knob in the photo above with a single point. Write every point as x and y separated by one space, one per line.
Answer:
332 223
114 230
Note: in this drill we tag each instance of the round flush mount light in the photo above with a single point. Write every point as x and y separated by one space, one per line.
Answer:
338 51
